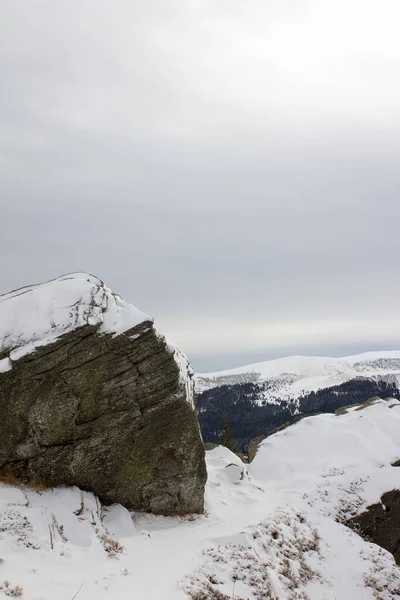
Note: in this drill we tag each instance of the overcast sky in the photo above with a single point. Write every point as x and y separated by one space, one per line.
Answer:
230 167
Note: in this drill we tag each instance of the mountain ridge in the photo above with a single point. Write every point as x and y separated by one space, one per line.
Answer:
296 375
256 399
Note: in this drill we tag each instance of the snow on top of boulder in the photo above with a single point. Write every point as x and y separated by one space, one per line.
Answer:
37 315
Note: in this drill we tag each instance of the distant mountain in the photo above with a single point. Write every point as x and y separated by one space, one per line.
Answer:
260 397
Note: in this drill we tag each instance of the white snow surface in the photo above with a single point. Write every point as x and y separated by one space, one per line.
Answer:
291 377
272 529
37 315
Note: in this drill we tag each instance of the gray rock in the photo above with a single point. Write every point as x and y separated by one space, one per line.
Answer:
107 410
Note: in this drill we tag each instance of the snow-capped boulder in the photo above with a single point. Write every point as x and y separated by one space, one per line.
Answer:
92 395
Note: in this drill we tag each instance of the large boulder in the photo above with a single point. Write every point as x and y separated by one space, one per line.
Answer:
91 394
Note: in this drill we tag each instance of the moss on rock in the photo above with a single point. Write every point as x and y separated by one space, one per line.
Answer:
109 414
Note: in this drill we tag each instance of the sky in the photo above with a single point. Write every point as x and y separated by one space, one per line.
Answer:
232 167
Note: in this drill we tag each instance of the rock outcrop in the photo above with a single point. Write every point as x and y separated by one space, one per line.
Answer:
381 523
92 395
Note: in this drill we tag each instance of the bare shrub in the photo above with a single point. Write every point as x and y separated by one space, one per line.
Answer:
281 545
111 546
16 591
210 593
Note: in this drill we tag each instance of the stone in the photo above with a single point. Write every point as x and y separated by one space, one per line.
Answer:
380 523
92 395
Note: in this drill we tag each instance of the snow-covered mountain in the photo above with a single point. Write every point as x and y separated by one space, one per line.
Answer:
260 397
272 529
290 378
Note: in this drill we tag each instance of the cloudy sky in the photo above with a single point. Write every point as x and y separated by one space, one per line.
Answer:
232 167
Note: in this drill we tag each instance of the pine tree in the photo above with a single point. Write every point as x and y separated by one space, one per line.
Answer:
226 436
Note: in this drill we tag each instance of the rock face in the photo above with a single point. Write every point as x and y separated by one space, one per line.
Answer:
92 395
381 523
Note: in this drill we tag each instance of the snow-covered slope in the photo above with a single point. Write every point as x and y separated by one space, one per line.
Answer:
289 378
272 529
37 315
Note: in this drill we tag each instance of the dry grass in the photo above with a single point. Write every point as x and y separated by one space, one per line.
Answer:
9 479
16 591
210 593
283 544
112 547
33 483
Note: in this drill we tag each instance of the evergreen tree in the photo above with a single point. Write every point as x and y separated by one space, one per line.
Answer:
226 436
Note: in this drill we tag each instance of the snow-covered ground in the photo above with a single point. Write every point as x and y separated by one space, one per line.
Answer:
273 529
294 376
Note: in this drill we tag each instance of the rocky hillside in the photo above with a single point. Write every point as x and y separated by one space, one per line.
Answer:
275 528
258 398
91 394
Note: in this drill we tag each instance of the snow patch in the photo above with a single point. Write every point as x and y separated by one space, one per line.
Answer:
5 365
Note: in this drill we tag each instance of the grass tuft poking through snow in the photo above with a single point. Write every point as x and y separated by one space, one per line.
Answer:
382 578
16 591
111 546
269 559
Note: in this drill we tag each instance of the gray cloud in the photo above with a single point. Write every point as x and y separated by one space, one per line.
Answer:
231 169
